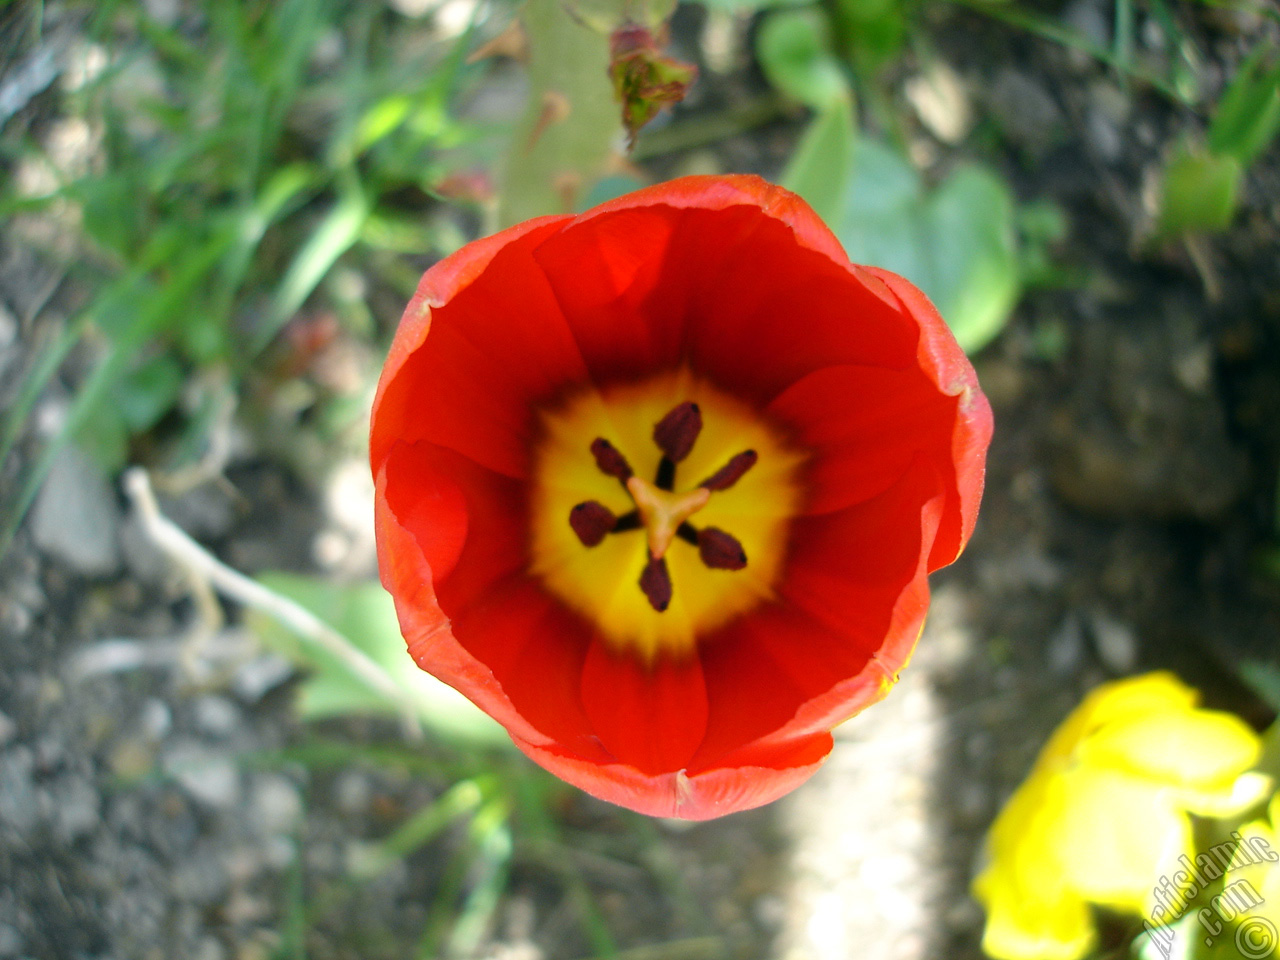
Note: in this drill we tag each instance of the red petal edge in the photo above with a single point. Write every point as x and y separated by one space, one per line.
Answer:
945 363
431 643
438 286
702 796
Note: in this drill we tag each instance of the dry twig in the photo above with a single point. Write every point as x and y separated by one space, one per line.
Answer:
202 568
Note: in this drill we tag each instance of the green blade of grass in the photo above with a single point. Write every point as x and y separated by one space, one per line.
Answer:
144 322
1052 30
458 801
491 834
337 232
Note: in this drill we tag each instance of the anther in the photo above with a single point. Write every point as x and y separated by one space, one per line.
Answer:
591 520
676 432
655 584
609 460
719 550
731 472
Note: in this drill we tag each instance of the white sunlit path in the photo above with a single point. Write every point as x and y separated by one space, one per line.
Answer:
868 875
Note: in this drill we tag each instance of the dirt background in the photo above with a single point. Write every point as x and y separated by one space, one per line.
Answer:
155 802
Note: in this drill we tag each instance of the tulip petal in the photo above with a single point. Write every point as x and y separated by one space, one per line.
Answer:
456 511
775 312
846 623
863 426
717 193
536 651
498 346
943 360
649 716
431 643
601 271
878 592
700 796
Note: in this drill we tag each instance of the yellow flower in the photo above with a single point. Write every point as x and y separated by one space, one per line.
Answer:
1250 897
1102 817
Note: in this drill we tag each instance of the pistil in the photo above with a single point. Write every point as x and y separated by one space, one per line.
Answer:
663 512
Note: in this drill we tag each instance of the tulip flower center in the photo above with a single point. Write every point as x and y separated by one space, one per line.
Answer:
648 501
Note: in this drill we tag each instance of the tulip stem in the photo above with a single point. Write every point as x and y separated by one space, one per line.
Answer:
204 570
571 124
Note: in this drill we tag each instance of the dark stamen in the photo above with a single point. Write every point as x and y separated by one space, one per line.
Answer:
687 533
676 432
609 460
666 478
628 521
731 472
591 521
655 583
719 550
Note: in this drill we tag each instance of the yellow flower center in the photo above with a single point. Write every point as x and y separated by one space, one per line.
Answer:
659 510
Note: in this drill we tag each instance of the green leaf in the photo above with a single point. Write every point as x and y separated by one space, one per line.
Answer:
820 168
1248 115
364 613
1200 193
957 242
149 392
794 47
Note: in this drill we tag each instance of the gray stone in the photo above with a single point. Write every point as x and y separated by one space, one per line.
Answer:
19 804
1116 642
11 941
216 716
277 806
201 879
1066 646
256 678
1103 136
205 512
156 719
1089 17
208 777
75 808
76 519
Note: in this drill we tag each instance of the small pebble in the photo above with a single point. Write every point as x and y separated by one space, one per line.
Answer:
76 518
207 777
259 676
156 720
11 941
276 804
1116 642
76 808
216 716
18 798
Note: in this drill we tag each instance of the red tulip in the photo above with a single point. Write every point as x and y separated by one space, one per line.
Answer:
659 487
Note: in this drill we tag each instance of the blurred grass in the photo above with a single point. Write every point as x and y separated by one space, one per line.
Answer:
235 157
